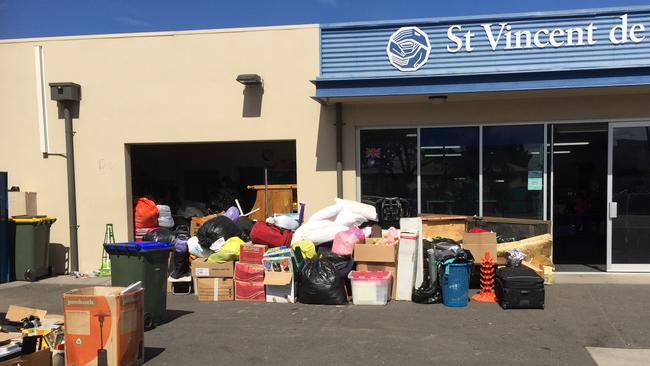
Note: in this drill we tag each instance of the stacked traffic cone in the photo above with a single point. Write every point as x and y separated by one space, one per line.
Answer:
487 280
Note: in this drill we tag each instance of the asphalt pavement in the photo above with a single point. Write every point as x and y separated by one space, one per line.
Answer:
578 314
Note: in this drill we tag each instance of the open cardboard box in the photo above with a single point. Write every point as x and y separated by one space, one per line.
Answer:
280 287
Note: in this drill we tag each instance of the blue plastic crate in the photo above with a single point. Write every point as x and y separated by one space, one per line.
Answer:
136 247
455 284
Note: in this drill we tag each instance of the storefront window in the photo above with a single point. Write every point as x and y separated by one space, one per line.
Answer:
450 170
388 165
513 171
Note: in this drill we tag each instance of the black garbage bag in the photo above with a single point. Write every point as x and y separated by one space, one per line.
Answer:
245 224
321 283
160 235
427 294
219 227
343 263
444 249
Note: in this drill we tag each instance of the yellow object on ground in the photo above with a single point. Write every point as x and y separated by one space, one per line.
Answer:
229 252
307 248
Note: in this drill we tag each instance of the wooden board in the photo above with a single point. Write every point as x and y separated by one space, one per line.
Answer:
446 226
281 198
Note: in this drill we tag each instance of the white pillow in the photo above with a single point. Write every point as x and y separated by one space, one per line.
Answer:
327 213
349 218
358 208
317 232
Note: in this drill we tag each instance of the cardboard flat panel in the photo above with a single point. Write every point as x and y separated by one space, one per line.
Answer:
277 278
16 313
128 321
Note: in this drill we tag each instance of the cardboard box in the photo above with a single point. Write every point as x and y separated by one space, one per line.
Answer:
22 203
249 291
406 265
202 268
375 252
252 253
280 287
38 358
215 289
249 272
479 243
96 314
196 222
389 267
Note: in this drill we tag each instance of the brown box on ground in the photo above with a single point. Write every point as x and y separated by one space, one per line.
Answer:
252 253
96 314
196 222
390 267
479 243
202 268
38 358
375 252
215 289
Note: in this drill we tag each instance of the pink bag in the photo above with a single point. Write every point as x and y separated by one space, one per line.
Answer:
345 240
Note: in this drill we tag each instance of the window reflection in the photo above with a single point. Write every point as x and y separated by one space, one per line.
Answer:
450 170
513 171
388 164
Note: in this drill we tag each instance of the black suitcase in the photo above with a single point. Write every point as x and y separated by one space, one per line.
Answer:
519 288
390 210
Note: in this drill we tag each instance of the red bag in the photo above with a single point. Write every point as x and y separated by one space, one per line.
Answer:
271 235
146 213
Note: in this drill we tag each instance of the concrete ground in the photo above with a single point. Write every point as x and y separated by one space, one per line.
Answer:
589 319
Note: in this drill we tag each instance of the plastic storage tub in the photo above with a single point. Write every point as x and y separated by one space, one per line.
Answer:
370 287
147 262
455 284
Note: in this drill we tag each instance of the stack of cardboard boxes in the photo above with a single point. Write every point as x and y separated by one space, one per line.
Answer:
375 255
213 281
249 273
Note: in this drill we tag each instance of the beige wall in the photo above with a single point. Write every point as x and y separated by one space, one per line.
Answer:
167 87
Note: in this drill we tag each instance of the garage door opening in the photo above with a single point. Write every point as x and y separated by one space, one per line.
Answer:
209 176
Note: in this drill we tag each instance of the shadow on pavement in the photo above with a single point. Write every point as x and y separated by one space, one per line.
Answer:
173 314
152 352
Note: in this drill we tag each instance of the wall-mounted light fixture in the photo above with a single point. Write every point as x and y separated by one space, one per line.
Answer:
249 79
437 99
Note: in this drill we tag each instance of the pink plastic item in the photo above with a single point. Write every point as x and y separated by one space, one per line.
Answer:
390 236
369 275
344 241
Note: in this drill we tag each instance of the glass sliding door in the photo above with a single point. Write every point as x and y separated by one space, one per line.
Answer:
449 170
513 171
388 162
628 181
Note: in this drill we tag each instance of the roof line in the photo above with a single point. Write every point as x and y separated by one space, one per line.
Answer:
489 17
159 34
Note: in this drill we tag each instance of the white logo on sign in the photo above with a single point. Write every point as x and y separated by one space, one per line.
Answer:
408 48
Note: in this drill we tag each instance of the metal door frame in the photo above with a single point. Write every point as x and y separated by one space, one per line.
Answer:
611 267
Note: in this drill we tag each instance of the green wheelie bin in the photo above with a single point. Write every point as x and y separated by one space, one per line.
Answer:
32 247
146 262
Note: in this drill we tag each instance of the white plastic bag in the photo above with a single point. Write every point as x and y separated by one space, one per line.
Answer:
165 216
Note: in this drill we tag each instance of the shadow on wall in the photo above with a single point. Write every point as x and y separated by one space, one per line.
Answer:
252 101
59 258
326 143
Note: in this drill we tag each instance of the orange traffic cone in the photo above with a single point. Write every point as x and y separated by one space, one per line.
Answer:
487 280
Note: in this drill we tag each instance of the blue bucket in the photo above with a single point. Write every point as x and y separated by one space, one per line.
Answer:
455 284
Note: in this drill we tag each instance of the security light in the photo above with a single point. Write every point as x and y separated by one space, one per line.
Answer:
437 99
249 79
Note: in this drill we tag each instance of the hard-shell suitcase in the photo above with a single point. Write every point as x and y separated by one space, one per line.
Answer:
519 288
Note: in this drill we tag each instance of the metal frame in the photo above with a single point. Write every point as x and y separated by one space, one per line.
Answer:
612 267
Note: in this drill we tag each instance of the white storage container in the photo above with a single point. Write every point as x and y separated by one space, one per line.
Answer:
370 287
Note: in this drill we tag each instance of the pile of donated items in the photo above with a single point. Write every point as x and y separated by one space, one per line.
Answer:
340 254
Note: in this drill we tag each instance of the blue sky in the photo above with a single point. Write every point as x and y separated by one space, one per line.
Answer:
37 18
